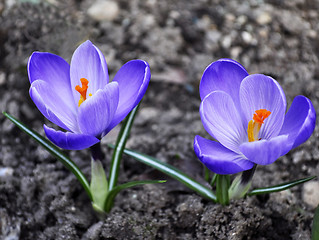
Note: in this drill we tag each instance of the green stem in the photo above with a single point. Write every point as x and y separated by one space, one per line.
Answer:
222 185
96 152
119 147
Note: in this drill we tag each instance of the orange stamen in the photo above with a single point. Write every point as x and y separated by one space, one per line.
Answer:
82 90
260 115
255 124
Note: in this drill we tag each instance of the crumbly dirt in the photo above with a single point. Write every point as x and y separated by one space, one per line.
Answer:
40 199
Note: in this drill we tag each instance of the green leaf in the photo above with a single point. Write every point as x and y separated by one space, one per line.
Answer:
315 226
51 148
172 172
213 180
280 187
222 186
119 147
112 194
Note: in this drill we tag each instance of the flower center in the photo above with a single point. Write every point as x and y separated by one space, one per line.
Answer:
255 124
82 90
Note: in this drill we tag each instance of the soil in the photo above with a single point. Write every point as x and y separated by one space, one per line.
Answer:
40 199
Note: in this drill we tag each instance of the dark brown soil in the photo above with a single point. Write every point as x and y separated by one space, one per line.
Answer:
40 199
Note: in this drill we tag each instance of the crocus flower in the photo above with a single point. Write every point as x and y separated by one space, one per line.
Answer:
79 97
246 115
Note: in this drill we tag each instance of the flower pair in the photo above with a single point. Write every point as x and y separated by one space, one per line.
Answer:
244 113
247 116
79 97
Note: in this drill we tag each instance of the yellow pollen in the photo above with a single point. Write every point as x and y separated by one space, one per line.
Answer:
82 90
255 124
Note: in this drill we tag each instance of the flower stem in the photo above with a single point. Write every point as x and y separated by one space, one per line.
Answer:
96 152
222 185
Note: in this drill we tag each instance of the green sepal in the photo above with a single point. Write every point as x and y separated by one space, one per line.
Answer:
98 186
280 187
172 172
112 194
238 190
51 148
315 226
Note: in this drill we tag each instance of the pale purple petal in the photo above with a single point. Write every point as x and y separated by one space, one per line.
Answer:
69 140
300 121
133 79
53 105
219 159
223 75
55 71
96 112
258 91
88 62
222 120
265 152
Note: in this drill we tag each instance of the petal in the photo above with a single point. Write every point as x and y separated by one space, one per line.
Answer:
223 75
96 112
219 159
69 140
300 121
258 91
265 152
54 70
88 62
133 79
53 105
222 120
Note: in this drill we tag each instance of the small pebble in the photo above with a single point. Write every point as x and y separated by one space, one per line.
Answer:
310 193
6 172
264 18
103 10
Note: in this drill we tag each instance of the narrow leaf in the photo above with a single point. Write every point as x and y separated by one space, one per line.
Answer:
172 172
315 226
280 187
119 147
51 148
112 194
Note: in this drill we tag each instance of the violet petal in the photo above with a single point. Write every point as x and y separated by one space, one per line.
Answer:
219 159
96 112
89 63
133 79
53 105
258 91
69 140
222 120
300 121
265 152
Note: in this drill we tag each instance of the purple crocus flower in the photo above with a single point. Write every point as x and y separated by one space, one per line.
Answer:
79 97
246 115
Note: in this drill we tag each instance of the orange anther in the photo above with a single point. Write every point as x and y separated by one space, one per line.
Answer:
260 115
82 90
255 124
